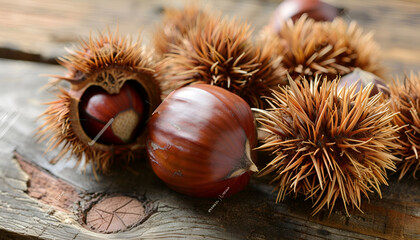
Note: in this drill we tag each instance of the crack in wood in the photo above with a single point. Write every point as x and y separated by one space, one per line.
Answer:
16 54
48 189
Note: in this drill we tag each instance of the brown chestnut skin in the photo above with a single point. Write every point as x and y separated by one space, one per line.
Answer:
294 9
363 78
97 108
200 141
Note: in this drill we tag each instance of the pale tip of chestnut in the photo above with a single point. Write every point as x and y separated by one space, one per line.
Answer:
252 167
249 165
364 78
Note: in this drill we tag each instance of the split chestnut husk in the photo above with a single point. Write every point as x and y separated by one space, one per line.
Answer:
102 116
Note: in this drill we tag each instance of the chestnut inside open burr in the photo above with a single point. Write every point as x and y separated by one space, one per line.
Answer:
117 118
101 117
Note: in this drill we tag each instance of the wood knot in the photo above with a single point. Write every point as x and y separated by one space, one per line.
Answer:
116 213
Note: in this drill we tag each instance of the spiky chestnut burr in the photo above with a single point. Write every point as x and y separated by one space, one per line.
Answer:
102 116
329 48
221 53
328 144
405 101
176 24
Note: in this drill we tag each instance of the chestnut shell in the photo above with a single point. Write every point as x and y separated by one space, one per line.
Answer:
362 79
200 141
147 89
294 9
113 118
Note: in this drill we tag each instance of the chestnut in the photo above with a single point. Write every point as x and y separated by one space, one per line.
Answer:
294 9
200 141
112 118
362 79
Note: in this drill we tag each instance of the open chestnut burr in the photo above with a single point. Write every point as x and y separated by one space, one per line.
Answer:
200 141
102 116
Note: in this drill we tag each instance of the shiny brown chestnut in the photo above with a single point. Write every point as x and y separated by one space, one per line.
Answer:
112 118
294 9
200 141
363 78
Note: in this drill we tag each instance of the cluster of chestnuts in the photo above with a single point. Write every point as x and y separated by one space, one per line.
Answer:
313 81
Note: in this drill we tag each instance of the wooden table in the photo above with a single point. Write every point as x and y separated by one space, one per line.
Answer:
40 200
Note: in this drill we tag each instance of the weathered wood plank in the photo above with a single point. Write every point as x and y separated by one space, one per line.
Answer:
252 214
45 28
